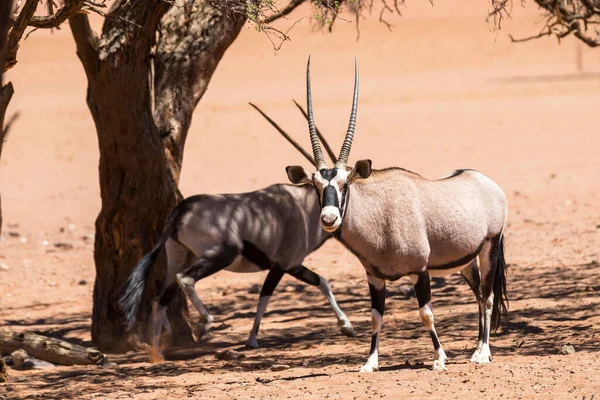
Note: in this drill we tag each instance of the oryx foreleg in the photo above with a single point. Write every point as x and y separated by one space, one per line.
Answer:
271 281
307 276
377 290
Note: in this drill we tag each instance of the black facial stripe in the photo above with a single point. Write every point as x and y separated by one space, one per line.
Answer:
328 174
330 197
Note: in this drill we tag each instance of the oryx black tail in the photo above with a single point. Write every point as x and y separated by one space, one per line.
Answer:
133 289
500 307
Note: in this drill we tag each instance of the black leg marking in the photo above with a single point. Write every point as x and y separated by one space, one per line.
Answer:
271 281
423 289
208 265
435 340
377 299
305 275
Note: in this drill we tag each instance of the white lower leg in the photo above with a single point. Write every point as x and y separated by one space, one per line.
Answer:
263 302
439 360
372 363
475 355
342 319
484 355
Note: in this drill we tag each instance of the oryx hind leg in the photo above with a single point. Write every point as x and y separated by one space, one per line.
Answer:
178 257
473 278
213 260
309 277
422 285
485 300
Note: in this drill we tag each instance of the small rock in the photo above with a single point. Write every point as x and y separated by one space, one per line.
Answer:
82 282
228 355
4 267
279 367
552 176
87 238
18 357
23 240
65 246
567 349
305 363
45 243
52 284
14 234
21 360
13 224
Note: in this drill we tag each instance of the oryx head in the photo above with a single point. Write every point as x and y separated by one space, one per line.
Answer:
331 184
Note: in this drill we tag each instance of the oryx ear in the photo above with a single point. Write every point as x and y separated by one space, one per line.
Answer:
296 174
361 170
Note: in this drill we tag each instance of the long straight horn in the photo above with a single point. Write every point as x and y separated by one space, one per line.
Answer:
330 152
345 152
285 135
314 139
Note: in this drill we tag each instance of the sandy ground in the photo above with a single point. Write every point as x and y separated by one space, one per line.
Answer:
440 92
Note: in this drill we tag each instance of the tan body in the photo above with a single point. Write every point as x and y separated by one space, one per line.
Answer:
394 222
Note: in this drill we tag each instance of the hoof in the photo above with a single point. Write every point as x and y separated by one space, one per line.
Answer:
347 330
481 359
369 368
439 365
252 345
202 330
156 355
481 356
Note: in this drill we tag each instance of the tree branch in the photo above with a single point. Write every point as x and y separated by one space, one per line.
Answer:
70 8
285 11
16 33
565 17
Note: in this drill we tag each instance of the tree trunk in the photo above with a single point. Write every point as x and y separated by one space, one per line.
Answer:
6 91
139 171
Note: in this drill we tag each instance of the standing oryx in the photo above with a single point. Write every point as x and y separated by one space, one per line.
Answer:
398 223
272 229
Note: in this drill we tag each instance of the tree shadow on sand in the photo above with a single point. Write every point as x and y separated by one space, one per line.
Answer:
549 308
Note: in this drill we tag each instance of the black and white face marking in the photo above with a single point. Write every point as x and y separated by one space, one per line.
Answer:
331 185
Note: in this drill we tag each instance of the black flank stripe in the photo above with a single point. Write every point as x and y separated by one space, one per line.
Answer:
465 260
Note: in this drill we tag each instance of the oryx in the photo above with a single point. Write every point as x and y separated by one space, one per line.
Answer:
399 223
272 229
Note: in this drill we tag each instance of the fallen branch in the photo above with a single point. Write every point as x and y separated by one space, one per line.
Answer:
49 349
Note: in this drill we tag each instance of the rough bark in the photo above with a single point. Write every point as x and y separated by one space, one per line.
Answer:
142 121
192 41
50 349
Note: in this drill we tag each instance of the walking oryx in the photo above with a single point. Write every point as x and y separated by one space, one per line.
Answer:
269 229
398 223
